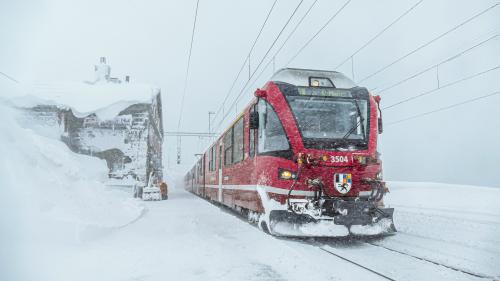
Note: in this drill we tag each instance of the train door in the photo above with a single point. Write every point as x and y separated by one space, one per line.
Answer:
219 190
203 176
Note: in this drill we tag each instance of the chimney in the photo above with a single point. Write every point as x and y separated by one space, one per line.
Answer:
127 79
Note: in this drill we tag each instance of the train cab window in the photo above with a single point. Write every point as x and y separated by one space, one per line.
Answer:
238 141
271 136
228 147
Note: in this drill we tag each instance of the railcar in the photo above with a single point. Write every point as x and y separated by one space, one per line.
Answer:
301 159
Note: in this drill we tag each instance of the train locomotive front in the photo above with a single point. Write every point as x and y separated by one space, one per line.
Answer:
301 159
324 130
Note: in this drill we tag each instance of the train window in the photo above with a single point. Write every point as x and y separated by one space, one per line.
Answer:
251 138
209 156
271 136
238 141
212 157
210 160
220 157
228 147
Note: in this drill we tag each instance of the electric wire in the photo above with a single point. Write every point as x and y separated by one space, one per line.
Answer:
441 87
430 42
380 33
260 62
318 32
440 63
245 61
443 108
188 65
9 77
294 29
283 44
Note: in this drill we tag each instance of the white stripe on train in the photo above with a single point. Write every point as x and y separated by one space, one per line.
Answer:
269 189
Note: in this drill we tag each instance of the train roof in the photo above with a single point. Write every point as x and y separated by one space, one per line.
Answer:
303 77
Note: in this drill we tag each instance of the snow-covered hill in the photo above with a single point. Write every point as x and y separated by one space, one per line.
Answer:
51 197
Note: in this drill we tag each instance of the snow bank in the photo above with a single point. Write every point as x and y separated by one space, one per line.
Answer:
51 197
443 196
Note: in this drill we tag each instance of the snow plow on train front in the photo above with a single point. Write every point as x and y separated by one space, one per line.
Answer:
325 215
302 159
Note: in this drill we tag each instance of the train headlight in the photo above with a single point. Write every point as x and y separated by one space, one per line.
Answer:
379 176
360 159
286 174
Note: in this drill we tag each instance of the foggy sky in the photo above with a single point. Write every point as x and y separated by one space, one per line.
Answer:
58 40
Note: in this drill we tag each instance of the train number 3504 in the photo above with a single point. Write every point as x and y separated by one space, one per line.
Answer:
338 159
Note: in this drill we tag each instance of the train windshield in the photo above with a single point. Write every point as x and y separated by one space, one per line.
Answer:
331 122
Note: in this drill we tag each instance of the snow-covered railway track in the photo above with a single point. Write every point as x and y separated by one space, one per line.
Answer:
357 264
461 244
408 256
474 274
394 264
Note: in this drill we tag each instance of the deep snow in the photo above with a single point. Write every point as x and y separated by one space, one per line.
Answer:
51 198
60 222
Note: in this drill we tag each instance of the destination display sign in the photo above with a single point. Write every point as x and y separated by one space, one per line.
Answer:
323 92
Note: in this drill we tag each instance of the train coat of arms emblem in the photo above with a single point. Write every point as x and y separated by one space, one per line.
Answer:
343 182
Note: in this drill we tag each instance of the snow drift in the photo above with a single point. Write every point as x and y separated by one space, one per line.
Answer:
50 195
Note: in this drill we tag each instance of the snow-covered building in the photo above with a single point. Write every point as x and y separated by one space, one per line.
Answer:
118 122
130 141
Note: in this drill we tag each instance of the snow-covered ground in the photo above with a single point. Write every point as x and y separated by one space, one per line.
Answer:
187 238
51 199
60 222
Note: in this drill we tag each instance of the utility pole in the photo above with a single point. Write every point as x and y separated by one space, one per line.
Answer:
210 122
178 150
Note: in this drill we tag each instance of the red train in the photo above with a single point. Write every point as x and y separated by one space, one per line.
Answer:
301 159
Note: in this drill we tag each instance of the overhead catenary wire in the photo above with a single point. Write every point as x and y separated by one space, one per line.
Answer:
247 57
9 77
439 87
457 55
188 65
318 32
443 108
379 33
260 62
295 28
430 42
284 43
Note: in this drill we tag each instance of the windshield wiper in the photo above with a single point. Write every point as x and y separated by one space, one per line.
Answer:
361 120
